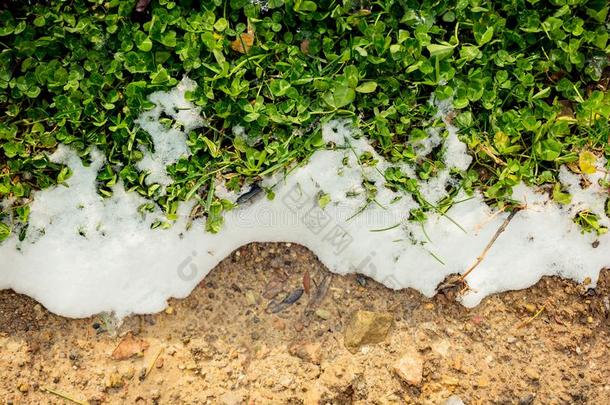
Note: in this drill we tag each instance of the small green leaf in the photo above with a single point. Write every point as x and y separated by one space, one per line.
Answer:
279 87
352 76
323 200
542 93
145 45
486 37
169 39
221 24
367 87
305 6
440 51
64 174
5 231
215 218
39 21
275 4
160 76
339 97
11 149
559 196
212 147
549 149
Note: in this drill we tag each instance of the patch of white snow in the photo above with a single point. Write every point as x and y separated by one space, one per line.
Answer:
85 254
169 143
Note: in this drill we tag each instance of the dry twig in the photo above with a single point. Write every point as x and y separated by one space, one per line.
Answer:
65 396
501 229
153 362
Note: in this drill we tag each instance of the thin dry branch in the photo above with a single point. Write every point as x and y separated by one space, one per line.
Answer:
501 229
154 361
490 218
65 396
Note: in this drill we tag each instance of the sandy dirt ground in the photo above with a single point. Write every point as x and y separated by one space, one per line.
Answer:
240 339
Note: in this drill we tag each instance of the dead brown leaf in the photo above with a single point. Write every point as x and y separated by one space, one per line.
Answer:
244 42
130 346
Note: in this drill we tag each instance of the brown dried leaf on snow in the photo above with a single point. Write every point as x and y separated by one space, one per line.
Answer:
130 346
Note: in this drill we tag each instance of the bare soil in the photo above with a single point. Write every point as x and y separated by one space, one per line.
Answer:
549 344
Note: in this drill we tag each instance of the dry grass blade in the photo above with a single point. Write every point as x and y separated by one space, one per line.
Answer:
531 319
481 257
319 294
153 362
65 396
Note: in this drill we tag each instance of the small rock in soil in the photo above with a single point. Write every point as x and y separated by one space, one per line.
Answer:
532 373
527 400
366 327
410 367
278 323
273 288
231 398
114 380
453 400
250 298
307 351
531 308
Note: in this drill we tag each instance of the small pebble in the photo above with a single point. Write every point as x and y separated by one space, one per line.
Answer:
532 373
531 308
250 298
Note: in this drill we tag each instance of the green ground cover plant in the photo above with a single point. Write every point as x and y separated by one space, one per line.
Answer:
528 81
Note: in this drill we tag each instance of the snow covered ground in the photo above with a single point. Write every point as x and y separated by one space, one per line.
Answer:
85 254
